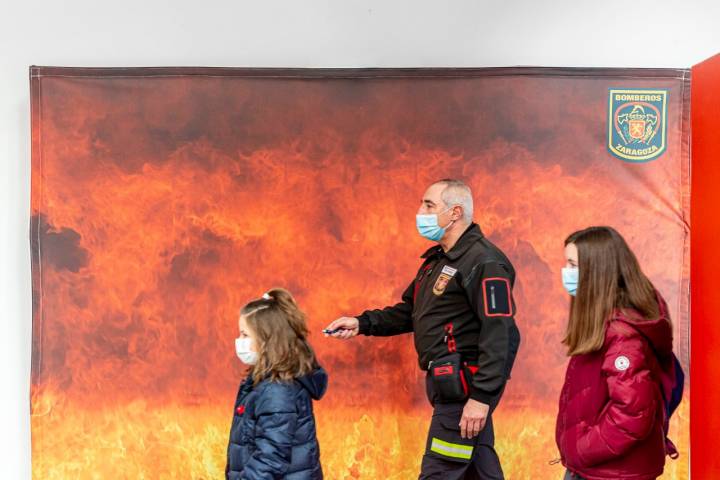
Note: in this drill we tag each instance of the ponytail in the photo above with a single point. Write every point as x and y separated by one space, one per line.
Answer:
286 303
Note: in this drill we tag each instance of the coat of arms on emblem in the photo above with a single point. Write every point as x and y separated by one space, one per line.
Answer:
441 283
637 124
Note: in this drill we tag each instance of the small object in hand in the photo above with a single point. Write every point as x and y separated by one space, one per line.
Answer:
331 332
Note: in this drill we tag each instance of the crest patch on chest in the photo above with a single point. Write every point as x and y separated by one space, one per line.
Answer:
441 283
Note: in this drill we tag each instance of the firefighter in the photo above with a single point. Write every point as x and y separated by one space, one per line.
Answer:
461 312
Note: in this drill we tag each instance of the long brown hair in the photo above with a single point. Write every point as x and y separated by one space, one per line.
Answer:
610 279
281 335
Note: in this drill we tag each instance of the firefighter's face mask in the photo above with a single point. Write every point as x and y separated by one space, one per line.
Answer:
428 226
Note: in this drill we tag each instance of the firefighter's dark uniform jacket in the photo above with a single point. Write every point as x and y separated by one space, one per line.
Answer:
467 289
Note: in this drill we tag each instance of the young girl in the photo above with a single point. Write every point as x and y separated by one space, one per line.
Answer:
273 428
619 338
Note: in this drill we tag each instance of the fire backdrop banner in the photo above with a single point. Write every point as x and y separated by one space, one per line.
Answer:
163 199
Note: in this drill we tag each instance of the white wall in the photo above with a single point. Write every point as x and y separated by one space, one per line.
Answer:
331 33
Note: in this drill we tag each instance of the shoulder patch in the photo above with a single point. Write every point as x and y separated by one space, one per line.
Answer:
497 297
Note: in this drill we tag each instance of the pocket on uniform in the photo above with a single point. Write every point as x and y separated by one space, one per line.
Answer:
449 378
444 439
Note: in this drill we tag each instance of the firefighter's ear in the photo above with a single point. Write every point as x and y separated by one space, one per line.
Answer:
457 212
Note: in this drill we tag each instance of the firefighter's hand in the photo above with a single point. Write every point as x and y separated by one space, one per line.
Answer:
473 418
344 328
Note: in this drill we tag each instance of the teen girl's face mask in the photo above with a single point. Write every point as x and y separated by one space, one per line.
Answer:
570 278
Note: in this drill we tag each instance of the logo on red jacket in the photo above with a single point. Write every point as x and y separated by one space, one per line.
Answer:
622 363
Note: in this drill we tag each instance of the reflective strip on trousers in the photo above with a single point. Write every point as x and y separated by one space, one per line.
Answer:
453 450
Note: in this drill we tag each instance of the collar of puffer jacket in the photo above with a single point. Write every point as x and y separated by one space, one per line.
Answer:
657 331
315 383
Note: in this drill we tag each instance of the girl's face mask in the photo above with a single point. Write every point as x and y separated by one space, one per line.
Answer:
570 278
243 349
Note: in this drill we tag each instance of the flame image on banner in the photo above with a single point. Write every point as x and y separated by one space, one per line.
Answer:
161 204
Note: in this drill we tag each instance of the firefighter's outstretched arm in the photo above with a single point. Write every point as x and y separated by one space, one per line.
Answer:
388 321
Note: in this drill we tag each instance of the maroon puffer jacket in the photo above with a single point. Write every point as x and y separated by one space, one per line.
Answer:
610 422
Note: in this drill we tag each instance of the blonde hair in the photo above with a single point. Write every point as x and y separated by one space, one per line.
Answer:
281 335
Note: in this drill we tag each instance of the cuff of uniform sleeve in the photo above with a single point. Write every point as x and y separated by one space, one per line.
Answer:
363 324
482 397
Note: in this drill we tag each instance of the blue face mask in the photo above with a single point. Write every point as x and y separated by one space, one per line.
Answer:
570 280
428 227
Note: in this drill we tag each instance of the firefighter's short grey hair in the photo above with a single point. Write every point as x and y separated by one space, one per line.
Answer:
456 192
